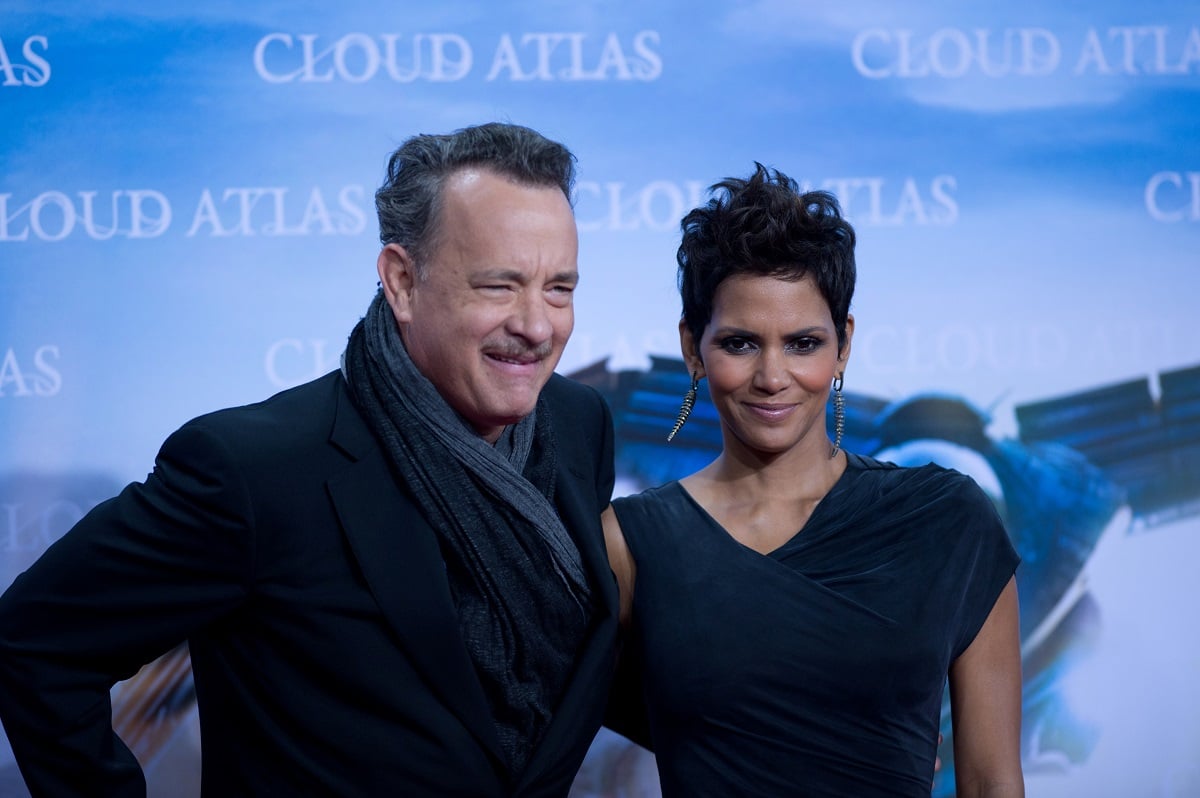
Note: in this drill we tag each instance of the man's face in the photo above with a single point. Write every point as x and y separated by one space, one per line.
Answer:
488 323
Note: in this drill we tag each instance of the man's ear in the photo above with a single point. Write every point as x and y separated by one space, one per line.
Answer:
398 276
691 351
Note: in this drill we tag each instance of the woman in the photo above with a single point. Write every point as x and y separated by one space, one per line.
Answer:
793 609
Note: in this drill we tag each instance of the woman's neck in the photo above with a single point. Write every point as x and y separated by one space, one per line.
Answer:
804 472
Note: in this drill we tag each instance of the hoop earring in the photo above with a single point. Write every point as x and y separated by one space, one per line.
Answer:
685 409
839 416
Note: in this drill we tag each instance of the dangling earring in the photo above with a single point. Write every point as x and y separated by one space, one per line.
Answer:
839 416
685 409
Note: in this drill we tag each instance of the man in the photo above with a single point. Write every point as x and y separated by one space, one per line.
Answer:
392 579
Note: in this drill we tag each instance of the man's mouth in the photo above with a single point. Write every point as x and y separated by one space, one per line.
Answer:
517 355
516 360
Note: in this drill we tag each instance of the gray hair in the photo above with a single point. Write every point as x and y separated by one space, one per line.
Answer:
409 201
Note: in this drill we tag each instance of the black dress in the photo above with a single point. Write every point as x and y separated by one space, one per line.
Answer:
817 669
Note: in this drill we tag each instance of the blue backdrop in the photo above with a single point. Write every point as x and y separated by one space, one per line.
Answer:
186 223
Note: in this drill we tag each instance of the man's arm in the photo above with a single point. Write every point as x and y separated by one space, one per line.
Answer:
126 584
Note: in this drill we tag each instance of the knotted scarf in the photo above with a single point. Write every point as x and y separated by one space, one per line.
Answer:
515 574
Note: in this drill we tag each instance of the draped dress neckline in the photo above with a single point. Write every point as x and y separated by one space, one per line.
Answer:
813 528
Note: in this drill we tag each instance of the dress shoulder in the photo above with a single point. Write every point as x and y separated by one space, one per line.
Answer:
648 519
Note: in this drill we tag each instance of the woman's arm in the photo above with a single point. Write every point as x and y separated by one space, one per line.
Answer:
621 562
985 703
626 713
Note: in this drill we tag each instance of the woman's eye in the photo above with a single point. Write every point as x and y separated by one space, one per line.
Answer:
805 344
736 345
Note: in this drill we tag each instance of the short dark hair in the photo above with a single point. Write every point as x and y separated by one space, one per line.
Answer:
764 225
409 201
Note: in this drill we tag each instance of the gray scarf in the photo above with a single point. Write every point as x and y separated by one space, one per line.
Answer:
516 576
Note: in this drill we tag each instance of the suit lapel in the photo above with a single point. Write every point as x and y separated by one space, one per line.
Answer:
400 559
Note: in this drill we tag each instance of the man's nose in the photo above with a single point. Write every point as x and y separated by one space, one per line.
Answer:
531 318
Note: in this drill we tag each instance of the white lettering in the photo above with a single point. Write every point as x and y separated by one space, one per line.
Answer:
1137 50
358 57
1092 53
658 205
43 380
58 200
368 55
290 361
506 58
858 49
38 71
1183 202
35 72
612 57
89 222
959 60
910 203
1191 51
263 210
52 216
1035 60
443 66
10 374
960 348
877 53
352 220
206 213
47 381
41 527
949 53
5 219
947 207
549 61
315 212
872 201
260 60
142 225
648 65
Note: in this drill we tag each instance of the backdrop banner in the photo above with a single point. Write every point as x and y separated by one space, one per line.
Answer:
187 223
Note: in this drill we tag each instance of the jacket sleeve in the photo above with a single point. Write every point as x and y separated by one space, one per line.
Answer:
606 468
126 584
626 712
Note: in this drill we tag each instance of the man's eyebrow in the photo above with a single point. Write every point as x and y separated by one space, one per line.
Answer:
518 276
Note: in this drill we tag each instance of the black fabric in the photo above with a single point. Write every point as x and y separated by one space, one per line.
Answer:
818 669
523 607
325 646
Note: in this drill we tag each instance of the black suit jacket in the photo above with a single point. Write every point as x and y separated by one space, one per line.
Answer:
326 653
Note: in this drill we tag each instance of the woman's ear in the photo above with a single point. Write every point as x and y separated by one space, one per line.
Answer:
844 352
398 276
691 351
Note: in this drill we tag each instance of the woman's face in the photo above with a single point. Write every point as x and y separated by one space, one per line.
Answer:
770 353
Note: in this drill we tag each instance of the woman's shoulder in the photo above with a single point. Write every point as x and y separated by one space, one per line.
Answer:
667 494
927 473
936 488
